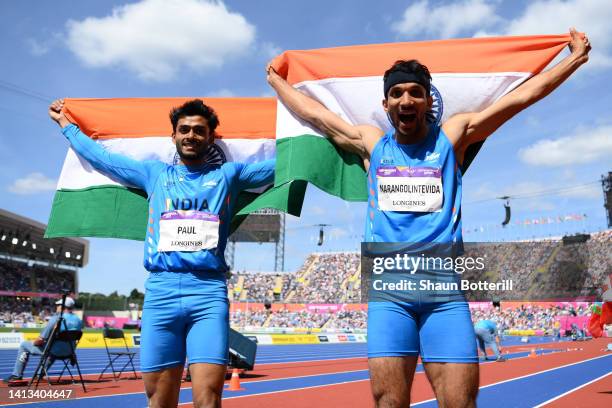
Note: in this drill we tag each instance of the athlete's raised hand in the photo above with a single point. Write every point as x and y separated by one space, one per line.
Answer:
579 46
56 112
270 73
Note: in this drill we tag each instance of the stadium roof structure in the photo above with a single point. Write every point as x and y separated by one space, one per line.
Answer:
24 237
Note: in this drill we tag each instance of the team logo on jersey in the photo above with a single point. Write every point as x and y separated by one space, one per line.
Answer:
432 156
186 204
210 184
214 156
434 115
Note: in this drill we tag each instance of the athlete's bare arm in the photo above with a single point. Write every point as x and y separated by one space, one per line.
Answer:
359 139
466 128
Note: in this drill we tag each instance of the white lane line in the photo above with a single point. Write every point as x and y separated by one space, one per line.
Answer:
572 390
524 376
280 391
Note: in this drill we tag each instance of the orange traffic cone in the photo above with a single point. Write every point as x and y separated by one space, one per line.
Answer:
235 381
533 353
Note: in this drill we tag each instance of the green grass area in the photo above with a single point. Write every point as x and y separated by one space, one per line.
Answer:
85 330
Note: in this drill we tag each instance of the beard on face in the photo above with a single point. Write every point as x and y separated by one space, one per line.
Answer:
419 123
196 154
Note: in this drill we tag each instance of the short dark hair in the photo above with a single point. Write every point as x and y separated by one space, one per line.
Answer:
194 107
413 67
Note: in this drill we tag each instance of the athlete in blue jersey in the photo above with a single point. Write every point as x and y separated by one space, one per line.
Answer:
414 179
186 310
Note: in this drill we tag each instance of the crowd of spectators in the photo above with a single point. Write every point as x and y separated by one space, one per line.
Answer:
348 320
259 287
255 318
284 318
53 280
304 319
332 278
600 260
16 276
539 269
547 269
525 317
328 278
32 277
22 310
530 316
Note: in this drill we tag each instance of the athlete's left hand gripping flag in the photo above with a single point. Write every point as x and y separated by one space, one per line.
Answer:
89 204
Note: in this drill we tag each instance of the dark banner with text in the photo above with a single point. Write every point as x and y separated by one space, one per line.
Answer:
554 270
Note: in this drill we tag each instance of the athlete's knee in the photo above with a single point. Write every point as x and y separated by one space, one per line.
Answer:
460 395
162 388
388 396
208 396
464 399
391 399
207 384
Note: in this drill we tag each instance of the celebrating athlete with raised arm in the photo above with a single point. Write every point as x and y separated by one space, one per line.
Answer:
186 309
398 332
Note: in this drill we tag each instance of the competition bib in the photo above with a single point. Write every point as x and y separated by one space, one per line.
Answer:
417 189
188 231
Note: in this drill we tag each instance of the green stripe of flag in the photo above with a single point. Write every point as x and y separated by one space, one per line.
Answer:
119 212
317 160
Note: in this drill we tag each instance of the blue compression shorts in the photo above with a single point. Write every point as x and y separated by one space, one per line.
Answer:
438 332
185 314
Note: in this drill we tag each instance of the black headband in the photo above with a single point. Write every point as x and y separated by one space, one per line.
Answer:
401 77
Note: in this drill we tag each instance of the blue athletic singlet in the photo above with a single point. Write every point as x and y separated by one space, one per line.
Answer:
206 193
186 310
427 173
414 196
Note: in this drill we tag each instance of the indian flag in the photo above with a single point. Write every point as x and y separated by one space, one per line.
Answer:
468 75
87 203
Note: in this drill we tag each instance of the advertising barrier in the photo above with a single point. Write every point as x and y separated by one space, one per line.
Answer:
90 340
294 339
95 340
10 340
100 321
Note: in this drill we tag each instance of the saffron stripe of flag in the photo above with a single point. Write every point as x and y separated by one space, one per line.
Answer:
468 75
88 203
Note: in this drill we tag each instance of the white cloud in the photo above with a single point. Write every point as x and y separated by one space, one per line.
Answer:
557 16
584 146
480 19
270 50
37 48
156 39
32 183
42 46
445 21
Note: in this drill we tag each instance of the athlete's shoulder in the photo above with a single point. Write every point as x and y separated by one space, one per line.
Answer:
156 164
441 135
370 136
230 166
229 169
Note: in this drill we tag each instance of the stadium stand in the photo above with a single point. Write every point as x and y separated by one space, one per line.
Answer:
35 270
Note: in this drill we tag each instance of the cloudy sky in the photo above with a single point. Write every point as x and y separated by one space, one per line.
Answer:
550 156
